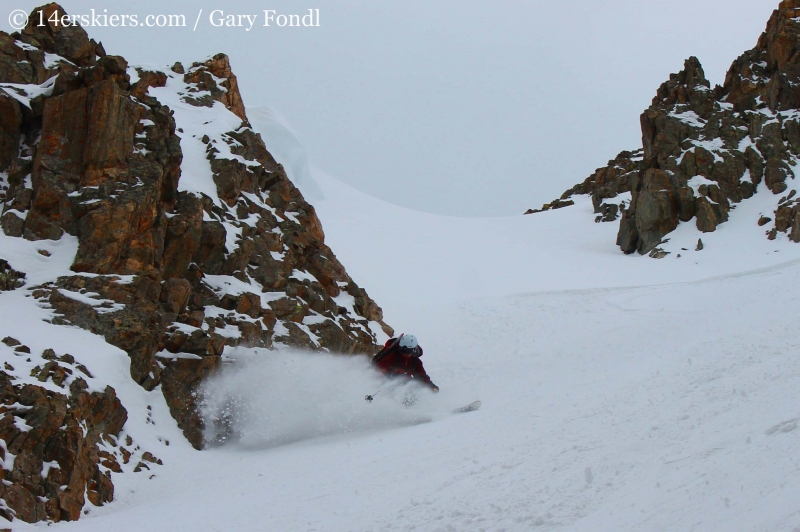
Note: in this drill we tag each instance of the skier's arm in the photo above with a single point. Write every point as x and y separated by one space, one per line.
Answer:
429 381
423 376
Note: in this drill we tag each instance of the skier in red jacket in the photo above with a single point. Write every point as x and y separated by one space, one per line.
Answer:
401 357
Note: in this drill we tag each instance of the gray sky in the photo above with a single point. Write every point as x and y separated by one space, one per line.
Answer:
451 106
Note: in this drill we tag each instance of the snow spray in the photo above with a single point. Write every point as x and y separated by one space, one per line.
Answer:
266 398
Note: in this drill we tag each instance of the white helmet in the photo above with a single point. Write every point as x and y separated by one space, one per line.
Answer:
408 341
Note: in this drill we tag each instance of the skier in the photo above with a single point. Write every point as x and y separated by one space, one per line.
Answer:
400 357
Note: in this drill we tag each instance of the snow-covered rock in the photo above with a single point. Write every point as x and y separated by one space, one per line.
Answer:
733 137
185 237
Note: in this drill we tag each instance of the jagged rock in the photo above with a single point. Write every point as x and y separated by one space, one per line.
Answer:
181 381
64 432
10 279
99 158
655 209
783 218
10 123
707 220
794 236
13 224
18 65
775 175
104 161
249 304
147 79
210 254
688 87
175 295
218 66
555 204
699 245
628 235
608 212
735 136
135 328
605 183
686 203
183 236
70 42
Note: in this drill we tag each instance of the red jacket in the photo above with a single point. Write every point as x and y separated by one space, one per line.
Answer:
390 362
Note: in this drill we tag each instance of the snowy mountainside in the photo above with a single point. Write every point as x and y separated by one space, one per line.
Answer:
705 150
619 393
657 400
139 205
554 251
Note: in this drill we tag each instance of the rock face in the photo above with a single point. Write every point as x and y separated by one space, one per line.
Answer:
60 435
705 150
53 440
177 260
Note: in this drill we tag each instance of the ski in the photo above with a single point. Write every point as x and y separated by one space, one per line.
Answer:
469 408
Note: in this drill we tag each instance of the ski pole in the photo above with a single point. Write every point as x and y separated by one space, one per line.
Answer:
369 398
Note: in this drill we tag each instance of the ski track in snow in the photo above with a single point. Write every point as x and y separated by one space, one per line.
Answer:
636 409
672 406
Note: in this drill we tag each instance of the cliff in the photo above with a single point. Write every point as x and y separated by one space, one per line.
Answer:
189 239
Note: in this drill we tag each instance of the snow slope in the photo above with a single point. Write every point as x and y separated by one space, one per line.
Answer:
620 393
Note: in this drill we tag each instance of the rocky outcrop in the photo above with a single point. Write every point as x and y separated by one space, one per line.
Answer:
705 150
10 279
606 183
59 441
202 79
177 260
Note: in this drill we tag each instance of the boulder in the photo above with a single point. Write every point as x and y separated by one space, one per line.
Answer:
218 66
69 41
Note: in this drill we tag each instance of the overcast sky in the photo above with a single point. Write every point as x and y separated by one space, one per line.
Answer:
451 106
